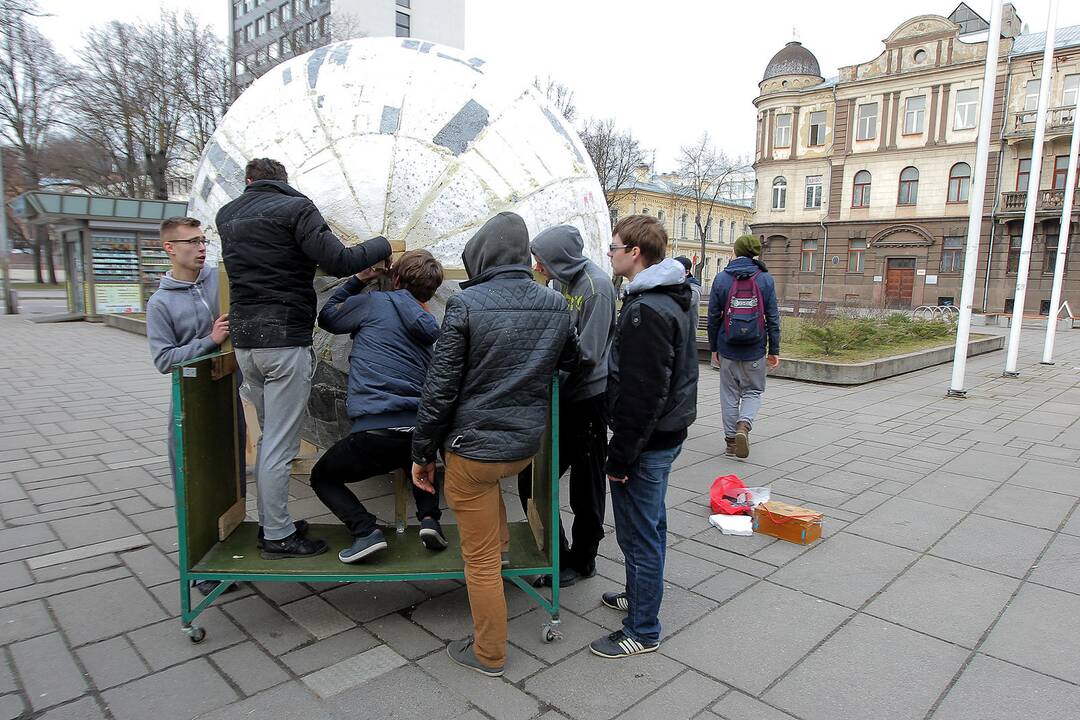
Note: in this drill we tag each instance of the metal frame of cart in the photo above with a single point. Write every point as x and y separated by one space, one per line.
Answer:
215 543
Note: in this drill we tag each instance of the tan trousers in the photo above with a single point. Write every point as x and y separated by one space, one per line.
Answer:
473 492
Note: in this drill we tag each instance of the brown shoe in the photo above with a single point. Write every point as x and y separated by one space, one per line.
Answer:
742 439
730 450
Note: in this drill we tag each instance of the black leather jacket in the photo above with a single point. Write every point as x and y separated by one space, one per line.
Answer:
486 395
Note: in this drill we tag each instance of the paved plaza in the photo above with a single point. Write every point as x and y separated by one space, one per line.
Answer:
947 586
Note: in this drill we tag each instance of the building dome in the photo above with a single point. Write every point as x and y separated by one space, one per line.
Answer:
793 59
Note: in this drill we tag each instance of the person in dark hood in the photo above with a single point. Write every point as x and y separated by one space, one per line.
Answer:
560 258
272 239
485 406
393 335
744 337
695 290
652 400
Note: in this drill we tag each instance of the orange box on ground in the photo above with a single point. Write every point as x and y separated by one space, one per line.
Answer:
788 522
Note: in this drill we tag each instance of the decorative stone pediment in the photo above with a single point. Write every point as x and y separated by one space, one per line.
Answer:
922 25
902 236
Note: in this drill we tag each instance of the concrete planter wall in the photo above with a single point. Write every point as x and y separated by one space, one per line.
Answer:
131 323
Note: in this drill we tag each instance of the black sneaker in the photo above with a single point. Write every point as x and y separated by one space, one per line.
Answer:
301 529
616 601
294 546
567 577
431 534
364 546
205 587
619 645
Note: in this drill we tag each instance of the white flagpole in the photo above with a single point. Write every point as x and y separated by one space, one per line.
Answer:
1032 196
1063 238
975 202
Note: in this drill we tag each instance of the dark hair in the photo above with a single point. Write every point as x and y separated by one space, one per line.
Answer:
169 224
265 169
645 233
418 272
686 262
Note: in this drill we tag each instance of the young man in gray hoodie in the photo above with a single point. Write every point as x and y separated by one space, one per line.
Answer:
590 295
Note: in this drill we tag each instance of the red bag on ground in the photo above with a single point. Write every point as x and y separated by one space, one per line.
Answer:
724 493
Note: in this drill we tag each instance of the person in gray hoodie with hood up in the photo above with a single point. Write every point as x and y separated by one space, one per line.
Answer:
590 295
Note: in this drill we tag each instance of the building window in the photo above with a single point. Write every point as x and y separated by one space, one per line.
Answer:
1051 234
682 223
660 216
286 12
919 56
817 128
1031 95
813 192
1023 174
952 255
403 24
867 122
731 234
782 135
909 187
809 247
274 49
272 20
644 211
247 6
247 33
967 107
403 3
855 251
313 30
238 37
299 38
238 67
959 182
1068 94
237 9
779 193
914 115
860 193
260 26
708 229
1061 172
946 300
1012 265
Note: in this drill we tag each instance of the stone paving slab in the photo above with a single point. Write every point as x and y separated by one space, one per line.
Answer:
935 592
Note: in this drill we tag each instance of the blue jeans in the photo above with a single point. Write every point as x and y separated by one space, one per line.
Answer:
641 529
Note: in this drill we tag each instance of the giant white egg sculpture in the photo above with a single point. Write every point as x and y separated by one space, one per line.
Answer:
407 139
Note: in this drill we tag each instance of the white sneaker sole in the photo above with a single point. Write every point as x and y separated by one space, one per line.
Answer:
647 649
432 541
366 552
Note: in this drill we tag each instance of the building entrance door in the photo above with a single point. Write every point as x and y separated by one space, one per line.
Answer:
899 282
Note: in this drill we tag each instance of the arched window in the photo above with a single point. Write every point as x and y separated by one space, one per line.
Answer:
860 193
959 182
660 216
644 211
732 234
779 193
909 186
682 234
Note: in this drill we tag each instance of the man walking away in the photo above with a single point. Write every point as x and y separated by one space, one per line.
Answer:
744 337
272 239
590 295
652 397
393 335
486 404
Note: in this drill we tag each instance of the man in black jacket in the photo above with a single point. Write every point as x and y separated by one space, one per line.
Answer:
652 396
485 405
272 238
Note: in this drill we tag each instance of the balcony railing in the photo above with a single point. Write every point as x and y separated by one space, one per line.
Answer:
1059 120
1047 201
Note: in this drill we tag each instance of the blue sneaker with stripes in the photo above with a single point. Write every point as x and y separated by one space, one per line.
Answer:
619 645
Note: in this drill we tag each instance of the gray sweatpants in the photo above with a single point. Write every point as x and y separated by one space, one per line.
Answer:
277 381
742 383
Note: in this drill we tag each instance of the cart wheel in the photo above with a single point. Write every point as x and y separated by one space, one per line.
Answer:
549 632
195 634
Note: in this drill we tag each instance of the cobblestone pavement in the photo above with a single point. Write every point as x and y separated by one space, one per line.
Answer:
948 585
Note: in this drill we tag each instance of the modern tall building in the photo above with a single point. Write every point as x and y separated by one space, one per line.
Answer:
863 179
266 32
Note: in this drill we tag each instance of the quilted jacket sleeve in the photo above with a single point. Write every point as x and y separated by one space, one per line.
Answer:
320 244
442 386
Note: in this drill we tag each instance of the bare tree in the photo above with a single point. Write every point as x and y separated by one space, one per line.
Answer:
31 75
559 95
704 171
615 154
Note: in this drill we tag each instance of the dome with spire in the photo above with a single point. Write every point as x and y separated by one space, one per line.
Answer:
793 59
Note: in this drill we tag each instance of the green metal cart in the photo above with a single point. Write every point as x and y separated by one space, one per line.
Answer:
216 544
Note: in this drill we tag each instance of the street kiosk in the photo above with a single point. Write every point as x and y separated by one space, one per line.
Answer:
216 543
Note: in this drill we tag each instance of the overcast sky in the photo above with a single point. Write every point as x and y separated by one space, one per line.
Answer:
668 70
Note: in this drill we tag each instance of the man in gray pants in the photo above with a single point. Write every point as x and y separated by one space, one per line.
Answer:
744 337
272 238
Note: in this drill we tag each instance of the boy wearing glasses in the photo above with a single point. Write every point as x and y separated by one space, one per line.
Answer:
182 319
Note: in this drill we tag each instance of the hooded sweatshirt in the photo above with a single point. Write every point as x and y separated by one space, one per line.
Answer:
743 267
393 335
590 295
654 357
179 317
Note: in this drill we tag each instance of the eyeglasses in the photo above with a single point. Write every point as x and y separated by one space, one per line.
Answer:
201 240
616 248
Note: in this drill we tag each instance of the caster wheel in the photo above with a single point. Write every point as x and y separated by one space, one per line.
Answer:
197 635
549 634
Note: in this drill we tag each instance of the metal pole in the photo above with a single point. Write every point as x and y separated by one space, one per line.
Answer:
1032 196
1063 239
5 247
975 203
